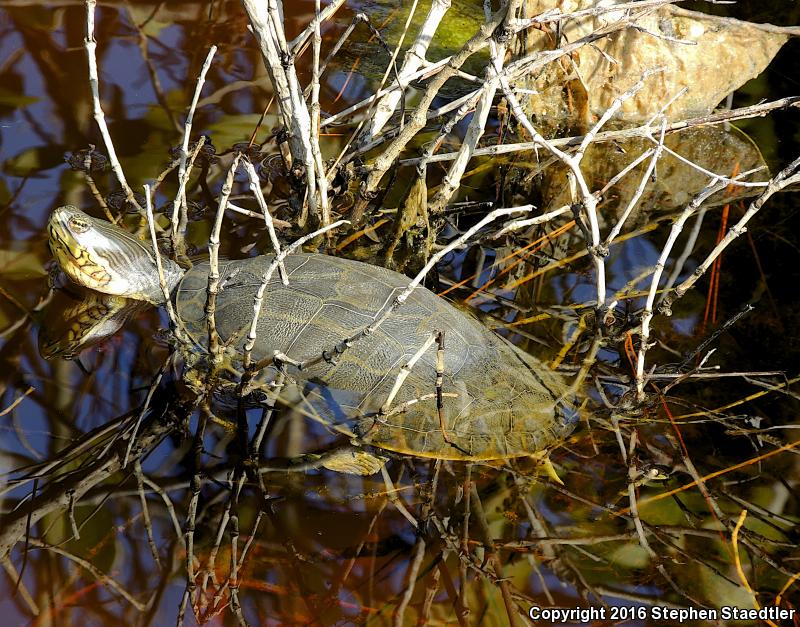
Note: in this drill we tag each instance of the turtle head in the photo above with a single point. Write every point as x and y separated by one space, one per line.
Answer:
103 257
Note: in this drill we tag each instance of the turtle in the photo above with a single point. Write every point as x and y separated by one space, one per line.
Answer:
495 401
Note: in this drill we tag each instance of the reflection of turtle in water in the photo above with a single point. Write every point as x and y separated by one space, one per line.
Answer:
498 402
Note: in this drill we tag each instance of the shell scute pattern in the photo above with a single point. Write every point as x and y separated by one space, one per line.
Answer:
505 404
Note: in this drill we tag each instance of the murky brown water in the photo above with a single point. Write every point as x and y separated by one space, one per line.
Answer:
324 547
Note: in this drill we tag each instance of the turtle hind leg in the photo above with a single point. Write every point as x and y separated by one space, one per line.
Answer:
353 460
346 459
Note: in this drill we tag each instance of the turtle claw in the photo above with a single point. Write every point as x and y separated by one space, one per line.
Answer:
550 470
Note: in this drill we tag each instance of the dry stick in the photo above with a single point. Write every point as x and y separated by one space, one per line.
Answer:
255 187
140 417
321 16
477 125
521 224
148 525
269 409
462 610
213 261
589 202
259 297
411 580
365 137
645 180
576 177
430 595
57 494
548 554
162 281
87 174
191 515
392 493
632 483
99 575
359 17
283 224
183 180
429 70
210 571
76 534
419 118
403 296
240 563
439 385
24 593
322 180
414 58
232 582
784 178
183 175
398 409
622 173
512 610
419 548
516 26
687 251
266 22
714 186
164 174
167 504
464 105
99 116
405 371
720 117
66 456
637 521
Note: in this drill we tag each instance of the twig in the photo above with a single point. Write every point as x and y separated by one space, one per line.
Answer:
255 187
191 515
788 176
418 119
141 414
719 117
521 224
213 260
162 281
100 576
259 297
403 296
405 371
99 117
168 504
148 525
639 190
321 16
14 575
710 189
183 175
452 180
265 18
414 58
321 179
512 611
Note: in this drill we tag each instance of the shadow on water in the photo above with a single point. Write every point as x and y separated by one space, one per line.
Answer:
128 464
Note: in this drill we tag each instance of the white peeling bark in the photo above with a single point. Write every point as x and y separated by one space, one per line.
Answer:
267 25
415 57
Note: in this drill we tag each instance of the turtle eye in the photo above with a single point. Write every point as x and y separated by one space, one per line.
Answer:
77 225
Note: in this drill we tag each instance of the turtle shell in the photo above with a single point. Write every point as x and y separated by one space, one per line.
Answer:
498 401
